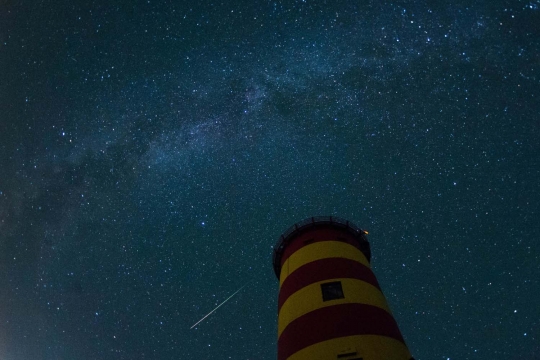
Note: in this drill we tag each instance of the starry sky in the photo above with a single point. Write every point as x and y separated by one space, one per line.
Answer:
151 153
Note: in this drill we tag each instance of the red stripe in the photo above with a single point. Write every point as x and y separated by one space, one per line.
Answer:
318 234
334 322
324 269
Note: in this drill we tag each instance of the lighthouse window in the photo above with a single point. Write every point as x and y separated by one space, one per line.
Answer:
332 291
346 355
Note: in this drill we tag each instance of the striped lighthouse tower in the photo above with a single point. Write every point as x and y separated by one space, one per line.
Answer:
330 304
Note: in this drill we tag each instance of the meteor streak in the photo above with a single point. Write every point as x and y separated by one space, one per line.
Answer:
217 307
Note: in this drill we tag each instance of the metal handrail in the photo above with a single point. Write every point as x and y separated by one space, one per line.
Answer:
309 222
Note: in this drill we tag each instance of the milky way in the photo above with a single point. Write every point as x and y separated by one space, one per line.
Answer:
151 154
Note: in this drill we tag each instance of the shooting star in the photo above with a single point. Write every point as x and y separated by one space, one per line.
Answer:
217 307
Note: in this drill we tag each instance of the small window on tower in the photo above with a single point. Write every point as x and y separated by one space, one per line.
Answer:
346 355
332 291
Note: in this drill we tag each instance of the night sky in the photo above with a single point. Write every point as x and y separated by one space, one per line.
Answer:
151 153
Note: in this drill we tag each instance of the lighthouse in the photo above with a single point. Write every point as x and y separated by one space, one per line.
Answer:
330 305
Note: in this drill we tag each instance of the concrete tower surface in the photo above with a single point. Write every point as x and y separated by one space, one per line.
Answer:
330 305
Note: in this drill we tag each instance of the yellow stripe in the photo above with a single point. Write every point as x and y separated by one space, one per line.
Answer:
372 347
309 298
320 250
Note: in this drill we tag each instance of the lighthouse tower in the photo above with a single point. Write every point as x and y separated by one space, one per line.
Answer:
330 304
